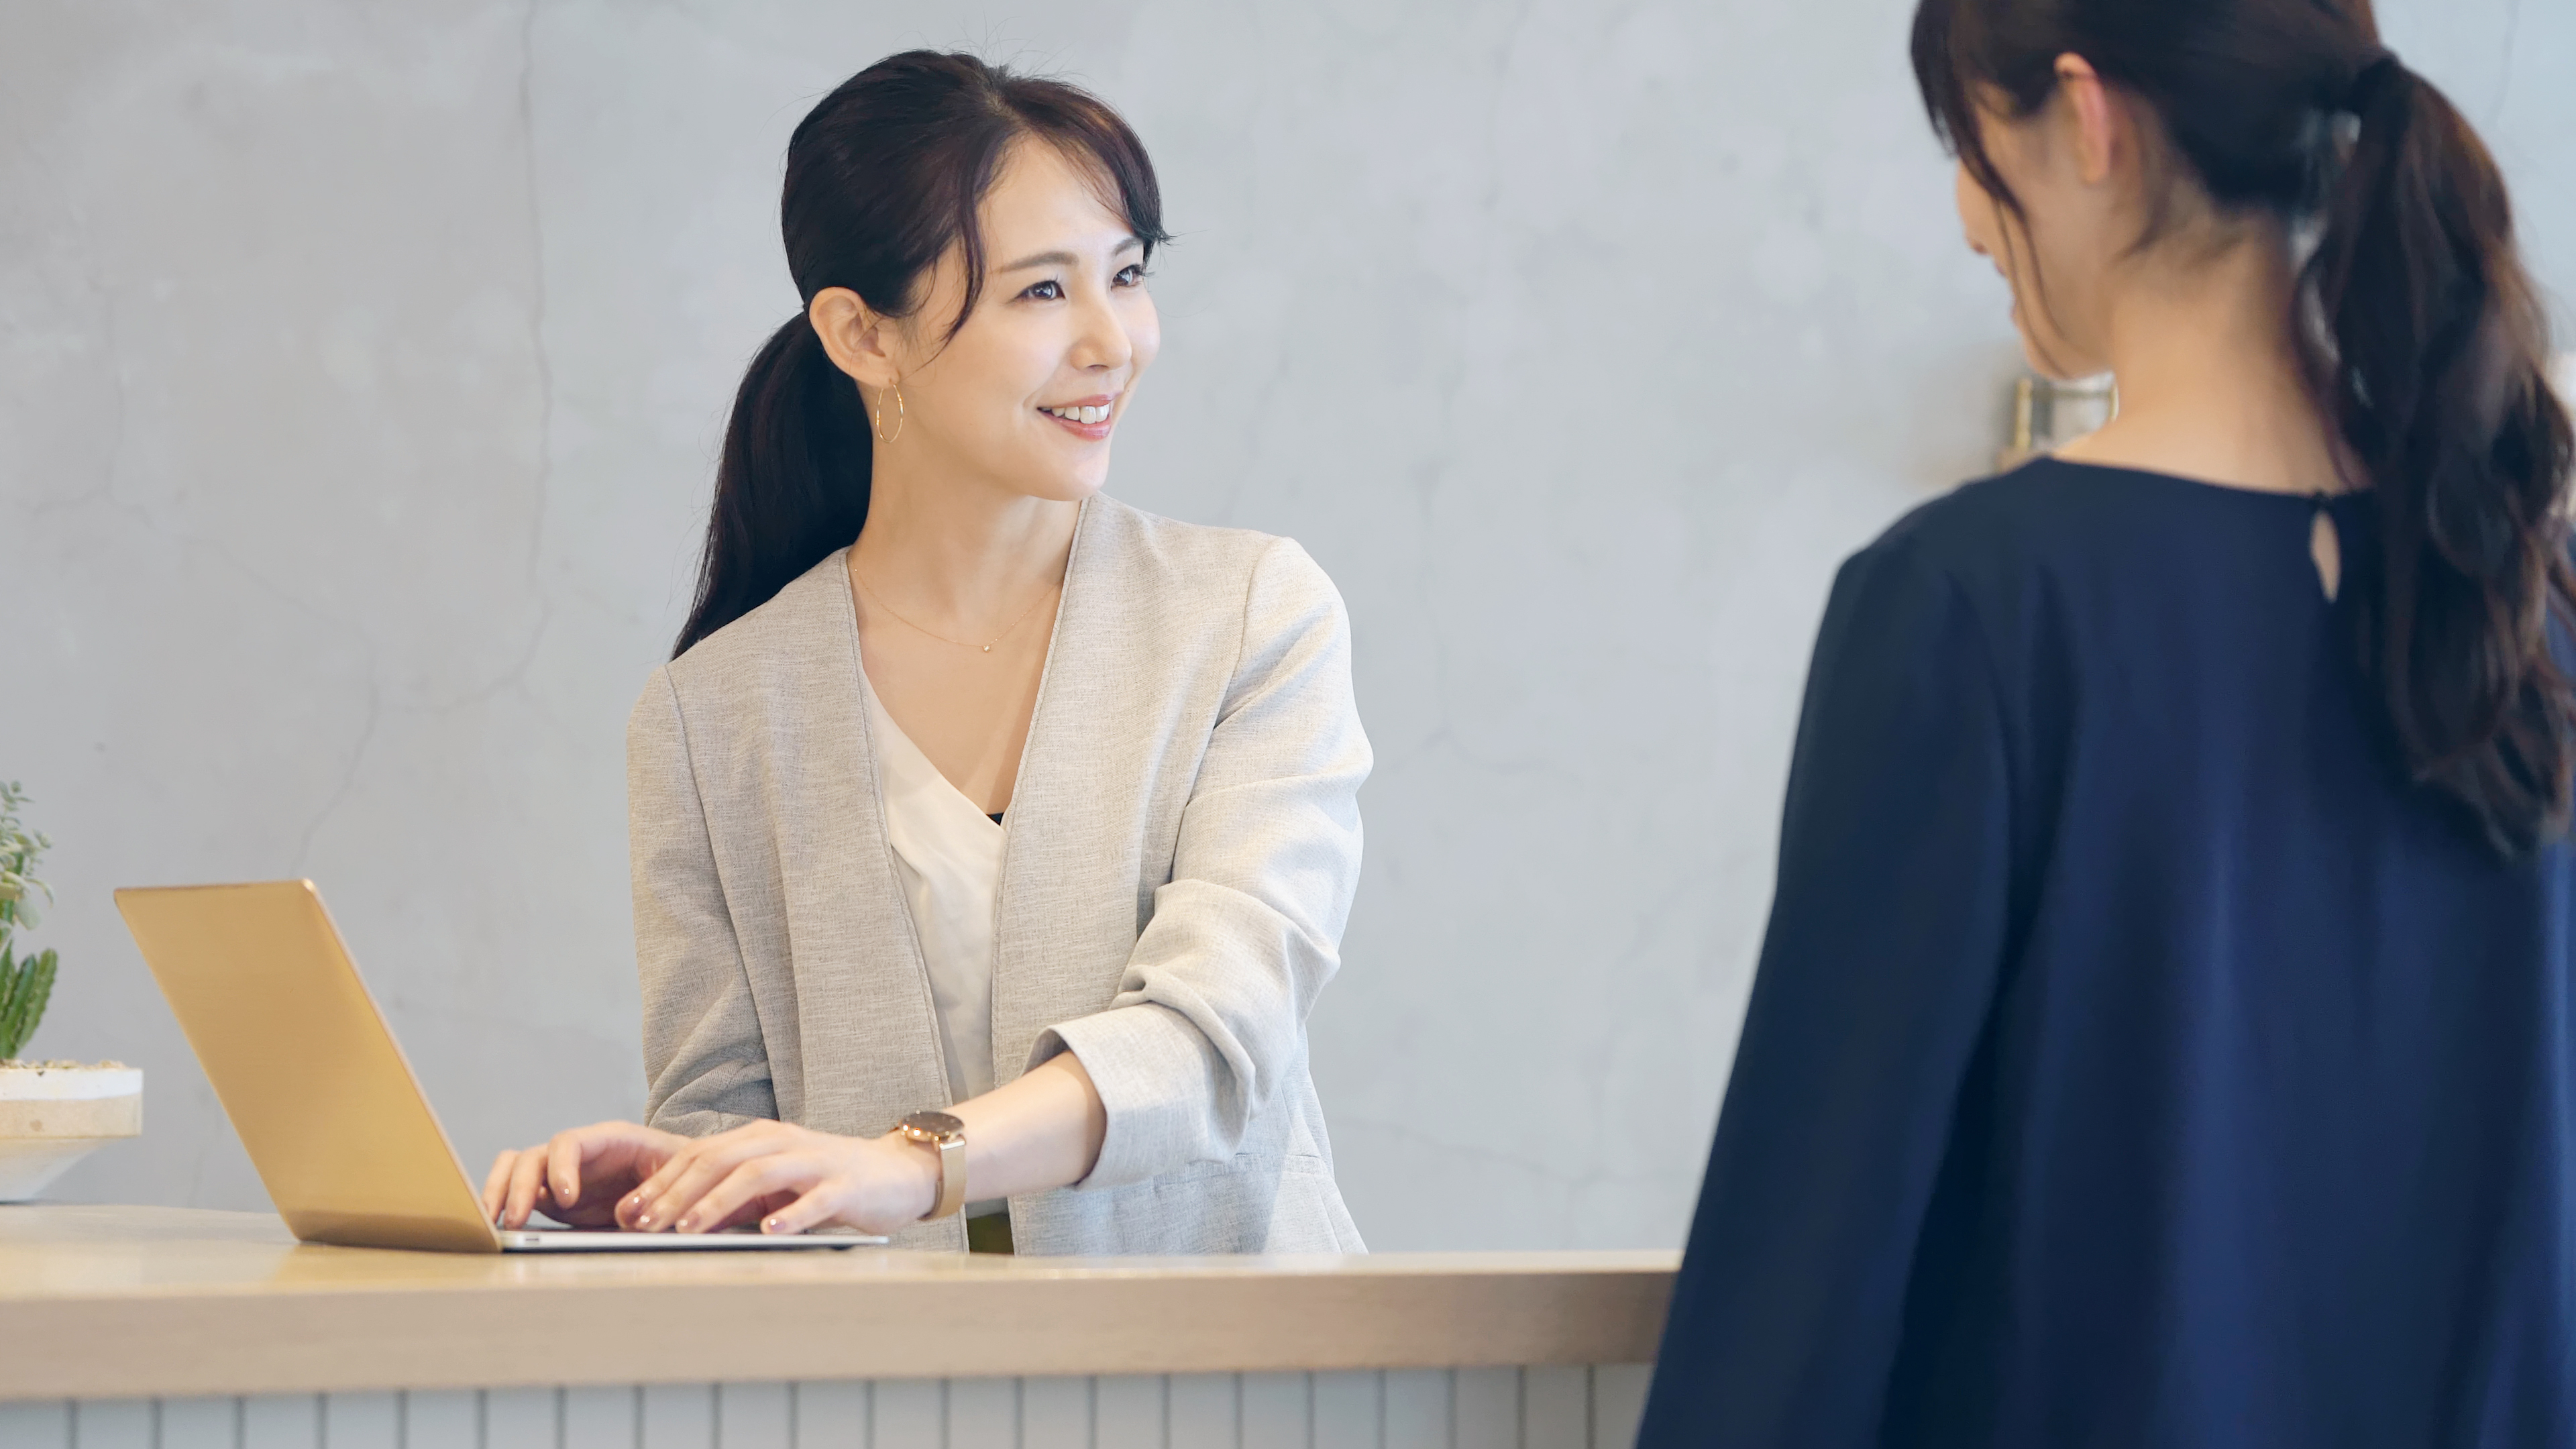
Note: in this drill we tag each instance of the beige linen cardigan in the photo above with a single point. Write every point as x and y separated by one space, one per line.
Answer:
1183 843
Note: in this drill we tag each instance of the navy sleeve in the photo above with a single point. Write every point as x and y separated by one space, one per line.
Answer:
1887 931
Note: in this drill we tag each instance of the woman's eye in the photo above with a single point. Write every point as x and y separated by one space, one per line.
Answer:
1131 275
1045 291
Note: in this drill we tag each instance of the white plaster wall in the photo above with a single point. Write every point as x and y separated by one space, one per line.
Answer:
361 368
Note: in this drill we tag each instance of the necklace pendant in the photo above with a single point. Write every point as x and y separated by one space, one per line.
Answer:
988 648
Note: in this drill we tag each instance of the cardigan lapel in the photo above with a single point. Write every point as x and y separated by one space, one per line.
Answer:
1056 865
1116 732
866 1030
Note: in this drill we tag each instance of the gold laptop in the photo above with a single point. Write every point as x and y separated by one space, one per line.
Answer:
318 1089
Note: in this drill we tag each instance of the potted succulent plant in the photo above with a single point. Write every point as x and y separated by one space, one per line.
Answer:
51 1113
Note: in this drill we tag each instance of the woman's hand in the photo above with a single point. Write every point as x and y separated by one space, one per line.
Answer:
576 1177
790 1178
1040 1132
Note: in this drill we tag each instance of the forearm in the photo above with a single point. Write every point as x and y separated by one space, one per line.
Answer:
1040 1132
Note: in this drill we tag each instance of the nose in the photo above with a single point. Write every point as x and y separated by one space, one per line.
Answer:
1100 341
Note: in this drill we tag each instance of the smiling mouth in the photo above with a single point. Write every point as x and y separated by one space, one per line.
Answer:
1083 415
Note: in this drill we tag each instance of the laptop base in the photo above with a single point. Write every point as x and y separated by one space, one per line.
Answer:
576 1240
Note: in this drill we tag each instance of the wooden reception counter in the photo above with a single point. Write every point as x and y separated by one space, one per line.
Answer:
149 1306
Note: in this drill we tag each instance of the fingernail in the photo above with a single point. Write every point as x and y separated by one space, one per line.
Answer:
685 1225
643 1220
771 1226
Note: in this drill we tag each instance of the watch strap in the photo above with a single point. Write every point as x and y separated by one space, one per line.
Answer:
952 1177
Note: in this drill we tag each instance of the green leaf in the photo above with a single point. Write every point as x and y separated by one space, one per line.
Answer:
26 991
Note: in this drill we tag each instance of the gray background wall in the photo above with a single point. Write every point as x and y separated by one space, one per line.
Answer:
361 367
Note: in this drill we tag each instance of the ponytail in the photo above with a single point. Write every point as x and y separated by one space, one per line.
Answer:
792 484
2434 370
2423 338
884 177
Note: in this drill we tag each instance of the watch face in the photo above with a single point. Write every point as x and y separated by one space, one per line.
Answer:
937 1123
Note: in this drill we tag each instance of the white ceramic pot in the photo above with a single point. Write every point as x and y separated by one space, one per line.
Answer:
54 1114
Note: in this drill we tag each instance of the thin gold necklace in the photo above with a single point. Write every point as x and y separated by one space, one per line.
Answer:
870 590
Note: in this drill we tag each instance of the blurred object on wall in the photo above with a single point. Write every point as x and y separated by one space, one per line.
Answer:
2048 414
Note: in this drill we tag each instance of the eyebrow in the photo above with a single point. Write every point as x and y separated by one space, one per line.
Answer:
1067 259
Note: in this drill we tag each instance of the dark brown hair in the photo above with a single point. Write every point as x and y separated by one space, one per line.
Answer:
884 176
2424 338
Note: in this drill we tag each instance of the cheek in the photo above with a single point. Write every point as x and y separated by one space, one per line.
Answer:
1145 334
990 374
1981 220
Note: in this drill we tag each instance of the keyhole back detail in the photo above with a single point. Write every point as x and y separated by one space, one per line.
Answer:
2325 549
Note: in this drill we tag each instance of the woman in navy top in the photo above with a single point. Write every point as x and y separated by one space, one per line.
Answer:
2164 1035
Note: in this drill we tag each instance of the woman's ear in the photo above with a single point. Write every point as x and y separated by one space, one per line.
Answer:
858 339
2097 120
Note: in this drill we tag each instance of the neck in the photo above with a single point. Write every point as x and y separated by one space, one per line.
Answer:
957 548
2210 380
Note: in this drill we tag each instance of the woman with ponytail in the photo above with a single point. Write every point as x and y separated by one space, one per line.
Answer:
991 839
2166 1029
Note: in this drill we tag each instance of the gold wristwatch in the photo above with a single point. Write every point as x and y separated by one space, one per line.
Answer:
945 1136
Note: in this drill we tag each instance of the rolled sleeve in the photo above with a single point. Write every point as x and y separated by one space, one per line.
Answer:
1211 1011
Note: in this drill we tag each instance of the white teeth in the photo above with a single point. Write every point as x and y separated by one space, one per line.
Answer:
1094 415
1079 414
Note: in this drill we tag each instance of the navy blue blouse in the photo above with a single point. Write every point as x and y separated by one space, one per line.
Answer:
2136 1057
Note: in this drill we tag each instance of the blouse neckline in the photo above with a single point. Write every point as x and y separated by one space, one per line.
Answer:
2204 486
913 770
878 714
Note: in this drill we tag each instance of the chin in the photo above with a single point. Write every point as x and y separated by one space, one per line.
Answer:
2054 366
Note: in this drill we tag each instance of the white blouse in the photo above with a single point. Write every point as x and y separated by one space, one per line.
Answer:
948 854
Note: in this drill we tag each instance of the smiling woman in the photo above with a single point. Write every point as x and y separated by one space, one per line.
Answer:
968 788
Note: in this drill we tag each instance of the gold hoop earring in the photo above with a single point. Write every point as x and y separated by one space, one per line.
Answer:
876 420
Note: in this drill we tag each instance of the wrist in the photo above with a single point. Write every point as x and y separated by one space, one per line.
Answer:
918 1175
943 1136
